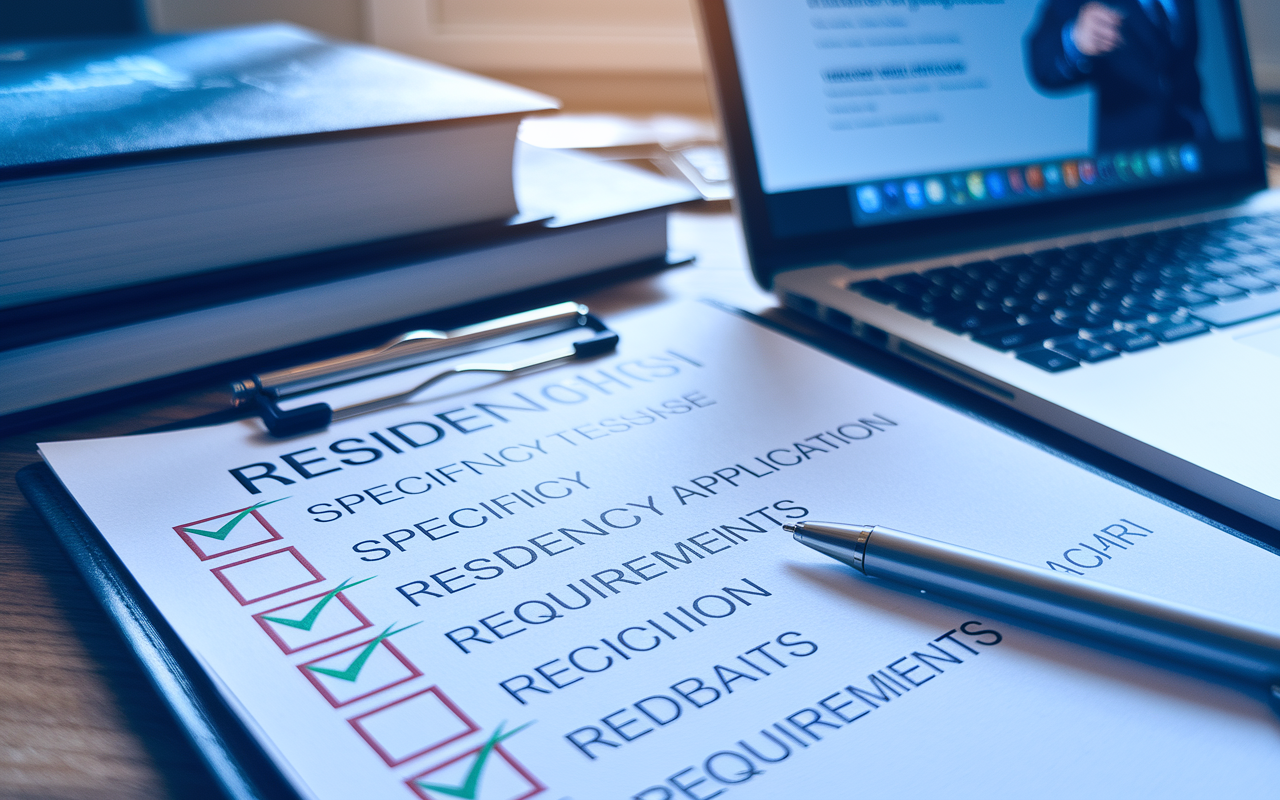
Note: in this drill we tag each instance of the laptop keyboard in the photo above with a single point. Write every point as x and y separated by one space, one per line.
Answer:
1091 302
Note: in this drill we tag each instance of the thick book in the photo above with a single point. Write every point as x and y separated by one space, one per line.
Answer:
131 160
592 216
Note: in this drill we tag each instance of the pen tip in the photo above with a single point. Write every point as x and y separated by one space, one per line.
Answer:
789 528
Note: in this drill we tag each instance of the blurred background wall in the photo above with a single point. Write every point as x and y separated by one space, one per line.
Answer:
613 55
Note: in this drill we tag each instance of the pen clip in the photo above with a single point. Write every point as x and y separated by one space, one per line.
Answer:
260 395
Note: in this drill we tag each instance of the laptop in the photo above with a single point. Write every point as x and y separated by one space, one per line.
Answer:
1059 204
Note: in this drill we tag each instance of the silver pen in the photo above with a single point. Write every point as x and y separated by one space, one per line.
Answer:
1203 638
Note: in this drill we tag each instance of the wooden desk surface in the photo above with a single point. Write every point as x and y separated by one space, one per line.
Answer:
78 718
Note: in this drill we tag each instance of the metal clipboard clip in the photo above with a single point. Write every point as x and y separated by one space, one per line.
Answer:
260 395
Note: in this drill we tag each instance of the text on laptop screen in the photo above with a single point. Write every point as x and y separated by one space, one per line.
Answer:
906 109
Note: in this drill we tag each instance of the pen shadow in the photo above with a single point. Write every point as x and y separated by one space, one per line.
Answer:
1049 643
83 694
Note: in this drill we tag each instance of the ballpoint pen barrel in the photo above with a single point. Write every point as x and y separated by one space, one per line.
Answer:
1131 619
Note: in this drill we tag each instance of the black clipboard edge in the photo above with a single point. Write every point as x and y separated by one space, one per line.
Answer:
236 762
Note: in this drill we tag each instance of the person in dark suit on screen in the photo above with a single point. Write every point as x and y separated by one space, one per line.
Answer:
1140 58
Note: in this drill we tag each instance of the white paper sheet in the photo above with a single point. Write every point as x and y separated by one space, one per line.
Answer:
541 599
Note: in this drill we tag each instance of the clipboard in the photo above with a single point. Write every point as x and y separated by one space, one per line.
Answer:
238 764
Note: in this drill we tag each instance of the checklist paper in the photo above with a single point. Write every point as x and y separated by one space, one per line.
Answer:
574 584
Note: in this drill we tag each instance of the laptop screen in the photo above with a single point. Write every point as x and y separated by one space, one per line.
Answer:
866 113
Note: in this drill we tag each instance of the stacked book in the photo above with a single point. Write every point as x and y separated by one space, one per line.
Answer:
175 202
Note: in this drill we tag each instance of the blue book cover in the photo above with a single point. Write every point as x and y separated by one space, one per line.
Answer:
92 104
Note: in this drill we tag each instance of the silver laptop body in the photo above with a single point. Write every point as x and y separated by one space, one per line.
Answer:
1061 165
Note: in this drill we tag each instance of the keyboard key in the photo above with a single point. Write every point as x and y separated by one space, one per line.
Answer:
913 306
1096 334
1069 317
1052 256
1233 312
977 317
1218 257
1224 268
1173 331
1083 350
1109 308
1023 335
1219 289
1112 285
1127 341
1256 261
1190 298
945 276
876 290
977 270
910 284
940 305
1164 305
1003 323
1249 283
1047 298
1048 360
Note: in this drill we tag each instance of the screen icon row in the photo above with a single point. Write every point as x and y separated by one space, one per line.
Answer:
1024 182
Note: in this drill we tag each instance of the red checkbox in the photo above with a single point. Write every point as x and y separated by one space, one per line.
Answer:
413 726
338 618
383 667
213 537
503 777
267 575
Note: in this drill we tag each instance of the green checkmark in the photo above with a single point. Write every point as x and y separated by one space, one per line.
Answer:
471 785
353 670
225 530
311 616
